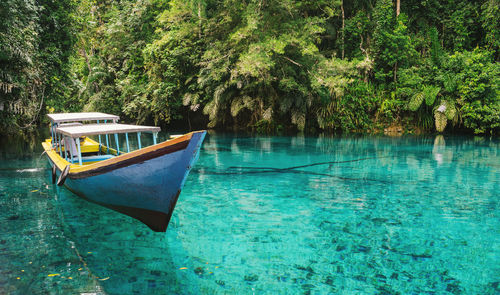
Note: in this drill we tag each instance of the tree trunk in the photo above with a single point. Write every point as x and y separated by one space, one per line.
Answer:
398 2
343 28
199 19
395 72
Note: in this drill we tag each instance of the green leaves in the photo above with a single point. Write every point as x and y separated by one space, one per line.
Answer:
35 40
440 121
436 50
392 46
451 110
255 63
430 94
339 65
253 58
241 103
416 101
464 88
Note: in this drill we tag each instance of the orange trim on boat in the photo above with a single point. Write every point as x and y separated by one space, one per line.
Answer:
76 169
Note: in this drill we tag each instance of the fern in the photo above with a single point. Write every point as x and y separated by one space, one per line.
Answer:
219 90
286 104
97 75
451 110
425 120
450 84
210 109
268 114
440 121
186 100
415 101
436 50
299 119
430 93
321 122
241 103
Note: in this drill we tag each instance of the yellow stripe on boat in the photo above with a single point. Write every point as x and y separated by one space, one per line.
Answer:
90 146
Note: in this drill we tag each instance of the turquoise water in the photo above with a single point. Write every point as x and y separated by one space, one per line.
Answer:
269 215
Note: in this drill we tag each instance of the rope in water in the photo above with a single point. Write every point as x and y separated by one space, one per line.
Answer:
309 165
292 169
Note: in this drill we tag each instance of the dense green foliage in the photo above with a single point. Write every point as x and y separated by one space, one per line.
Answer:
36 41
352 66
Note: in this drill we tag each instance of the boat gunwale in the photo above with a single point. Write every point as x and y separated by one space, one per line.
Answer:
120 161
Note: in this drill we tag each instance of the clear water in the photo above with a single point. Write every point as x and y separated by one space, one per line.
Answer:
374 215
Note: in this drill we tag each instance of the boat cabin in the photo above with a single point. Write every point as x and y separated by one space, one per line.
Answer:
70 136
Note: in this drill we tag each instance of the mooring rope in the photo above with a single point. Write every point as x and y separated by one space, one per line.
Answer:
293 169
308 165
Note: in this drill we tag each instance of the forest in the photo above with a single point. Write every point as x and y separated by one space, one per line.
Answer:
361 66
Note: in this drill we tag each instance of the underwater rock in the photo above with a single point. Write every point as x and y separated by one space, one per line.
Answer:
251 278
275 239
454 288
308 286
423 255
379 220
361 248
132 280
329 280
386 290
340 248
381 278
324 223
360 278
199 271
156 273
495 286
340 269
151 284
299 280
347 228
308 269
282 278
394 222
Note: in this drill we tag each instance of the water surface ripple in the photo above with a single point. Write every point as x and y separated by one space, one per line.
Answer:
269 215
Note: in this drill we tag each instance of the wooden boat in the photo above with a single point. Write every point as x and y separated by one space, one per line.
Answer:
144 184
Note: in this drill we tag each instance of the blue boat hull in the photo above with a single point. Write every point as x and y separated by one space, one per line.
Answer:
145 187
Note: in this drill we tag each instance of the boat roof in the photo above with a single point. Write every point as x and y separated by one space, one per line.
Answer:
96 129
74 117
